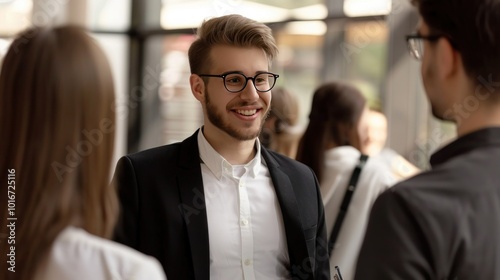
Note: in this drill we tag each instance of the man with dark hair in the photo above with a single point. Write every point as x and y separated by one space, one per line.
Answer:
443 224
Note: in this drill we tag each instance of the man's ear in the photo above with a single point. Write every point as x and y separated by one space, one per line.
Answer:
449 59
197 87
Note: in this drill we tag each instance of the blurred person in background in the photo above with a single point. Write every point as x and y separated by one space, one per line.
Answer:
444 223
281 132
57 127
375 147
332 145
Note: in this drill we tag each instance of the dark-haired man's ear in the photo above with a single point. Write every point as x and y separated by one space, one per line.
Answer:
197 87
449 59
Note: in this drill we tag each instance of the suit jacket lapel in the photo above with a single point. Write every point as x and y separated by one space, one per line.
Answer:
193 206
297 248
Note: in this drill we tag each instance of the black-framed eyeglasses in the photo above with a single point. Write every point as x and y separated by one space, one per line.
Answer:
416 44
236 81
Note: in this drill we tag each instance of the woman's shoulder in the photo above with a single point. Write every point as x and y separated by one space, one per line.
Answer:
77 251
81 239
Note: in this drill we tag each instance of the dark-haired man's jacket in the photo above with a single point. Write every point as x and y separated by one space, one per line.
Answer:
443 224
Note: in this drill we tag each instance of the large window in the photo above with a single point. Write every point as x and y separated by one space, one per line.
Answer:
109 15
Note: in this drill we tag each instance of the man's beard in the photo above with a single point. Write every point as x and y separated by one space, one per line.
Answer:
242 133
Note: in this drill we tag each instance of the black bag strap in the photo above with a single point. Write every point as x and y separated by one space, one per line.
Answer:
345 202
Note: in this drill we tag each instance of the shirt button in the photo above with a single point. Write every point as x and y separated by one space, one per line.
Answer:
248 262
244 222
242 185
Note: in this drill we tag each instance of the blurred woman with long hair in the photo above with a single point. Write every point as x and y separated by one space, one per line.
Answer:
332 145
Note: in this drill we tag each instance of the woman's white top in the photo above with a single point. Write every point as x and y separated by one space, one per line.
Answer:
79 255
374 179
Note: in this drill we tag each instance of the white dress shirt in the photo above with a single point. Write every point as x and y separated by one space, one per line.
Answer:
246 231
375 177
78 255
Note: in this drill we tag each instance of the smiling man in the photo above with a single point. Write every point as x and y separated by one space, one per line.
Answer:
218 205
444 223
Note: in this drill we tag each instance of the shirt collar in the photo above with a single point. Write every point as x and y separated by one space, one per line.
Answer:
218 165
480 138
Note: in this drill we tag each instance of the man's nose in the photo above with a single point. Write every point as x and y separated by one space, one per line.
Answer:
249 92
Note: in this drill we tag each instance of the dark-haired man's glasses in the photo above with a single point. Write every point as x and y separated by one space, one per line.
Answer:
416 44
236 82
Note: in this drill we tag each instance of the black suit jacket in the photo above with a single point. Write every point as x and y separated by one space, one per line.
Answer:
163 211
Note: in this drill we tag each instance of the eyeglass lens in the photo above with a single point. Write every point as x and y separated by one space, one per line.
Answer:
416 48
236 82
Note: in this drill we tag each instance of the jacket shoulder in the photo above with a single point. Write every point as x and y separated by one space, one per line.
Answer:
293 168
181 152
285 162
155 154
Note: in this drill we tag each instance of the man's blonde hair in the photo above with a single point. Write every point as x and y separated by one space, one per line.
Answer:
230 30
